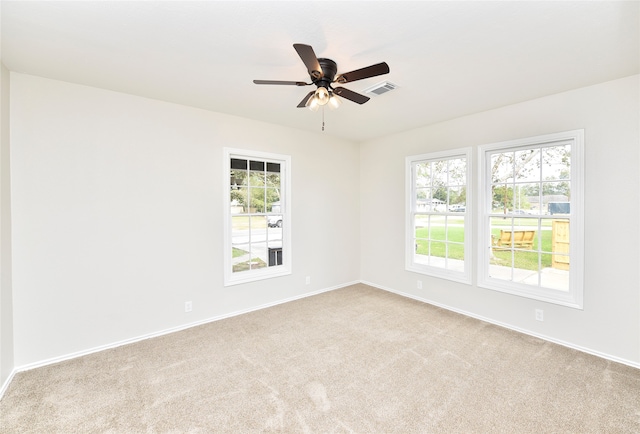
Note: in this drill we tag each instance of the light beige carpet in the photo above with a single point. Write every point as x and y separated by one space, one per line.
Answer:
352 360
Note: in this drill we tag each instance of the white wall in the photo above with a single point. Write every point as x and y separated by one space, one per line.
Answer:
609 113
6 304
117 215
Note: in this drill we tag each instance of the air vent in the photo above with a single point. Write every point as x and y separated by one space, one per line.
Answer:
380 88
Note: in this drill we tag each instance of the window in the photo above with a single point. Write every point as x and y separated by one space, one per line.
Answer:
438 221
257 223
532 219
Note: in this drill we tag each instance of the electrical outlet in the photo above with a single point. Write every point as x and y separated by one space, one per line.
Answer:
539 315
419 284
188 306
307 280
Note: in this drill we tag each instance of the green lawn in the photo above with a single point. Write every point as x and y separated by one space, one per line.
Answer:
525 259
246 265
244 222
438 247
238 252
249 265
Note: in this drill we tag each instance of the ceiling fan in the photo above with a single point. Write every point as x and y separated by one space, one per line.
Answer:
323 74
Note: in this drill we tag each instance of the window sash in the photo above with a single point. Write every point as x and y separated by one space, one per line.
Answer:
433 226
541 284
256 227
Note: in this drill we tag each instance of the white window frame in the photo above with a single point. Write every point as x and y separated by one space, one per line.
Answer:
411 212
574 296
231 278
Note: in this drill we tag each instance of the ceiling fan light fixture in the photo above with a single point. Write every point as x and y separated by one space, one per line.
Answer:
334 101
313 104
321 96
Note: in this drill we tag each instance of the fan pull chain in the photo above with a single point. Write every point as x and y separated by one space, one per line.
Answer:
322 118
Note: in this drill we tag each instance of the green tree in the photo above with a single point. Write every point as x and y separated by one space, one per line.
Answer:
502 197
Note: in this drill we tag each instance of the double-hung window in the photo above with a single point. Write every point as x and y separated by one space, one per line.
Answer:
531 226
438 219
257 190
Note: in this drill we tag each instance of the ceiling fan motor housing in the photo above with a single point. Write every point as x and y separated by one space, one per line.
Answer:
329 70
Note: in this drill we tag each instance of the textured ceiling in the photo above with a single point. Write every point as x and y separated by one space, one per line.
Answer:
449 59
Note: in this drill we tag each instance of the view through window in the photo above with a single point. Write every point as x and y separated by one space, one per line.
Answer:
258 217
439 223
531 192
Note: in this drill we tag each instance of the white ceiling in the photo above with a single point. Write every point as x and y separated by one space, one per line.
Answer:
449 59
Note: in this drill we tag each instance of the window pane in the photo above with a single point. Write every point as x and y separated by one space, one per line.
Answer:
457 172
457 198
273 168
437 227
273 200
502 198
240 243
238 202
502 167
437 253
501 264
240 229
560 243
256 179
455 260
421 245
421 221
237 163
527 199
526 263
455 229
556 192
455 237
238 177
423 200
556 162
275 255
273 180
274 240
423 174
527 165
258 228
256 166
527 266
421 234
274 221
438 202
498 227
258 256
529 228
439 173
256 203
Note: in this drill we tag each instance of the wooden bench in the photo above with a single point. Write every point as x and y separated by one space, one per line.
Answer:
519 239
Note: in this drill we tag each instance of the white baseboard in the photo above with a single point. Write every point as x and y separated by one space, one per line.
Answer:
509 326
70 356
6 383
51 361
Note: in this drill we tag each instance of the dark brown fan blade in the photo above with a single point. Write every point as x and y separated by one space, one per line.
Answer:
310 60
351 95
303 103
292 83
360 74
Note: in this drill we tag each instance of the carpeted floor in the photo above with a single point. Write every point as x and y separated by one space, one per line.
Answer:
356 359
